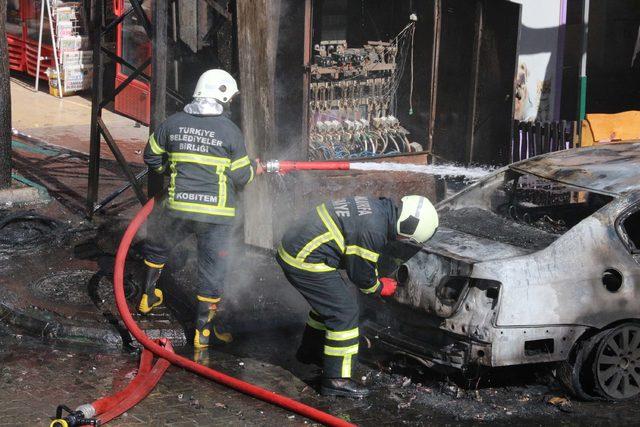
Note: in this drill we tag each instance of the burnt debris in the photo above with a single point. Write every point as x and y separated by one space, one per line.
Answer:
488 225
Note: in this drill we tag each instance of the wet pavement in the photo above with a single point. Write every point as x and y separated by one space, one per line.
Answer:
64 174
267 317
35 378
66 122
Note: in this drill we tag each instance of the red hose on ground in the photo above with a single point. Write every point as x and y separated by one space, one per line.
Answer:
183 362
107 408
134 395
104 404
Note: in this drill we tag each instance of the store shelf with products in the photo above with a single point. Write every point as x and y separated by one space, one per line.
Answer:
73 47
23 28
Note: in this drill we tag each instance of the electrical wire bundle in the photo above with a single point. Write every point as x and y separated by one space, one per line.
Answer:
354 139
353 99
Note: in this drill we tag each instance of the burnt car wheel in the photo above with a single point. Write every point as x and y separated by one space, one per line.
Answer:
616 365
575 373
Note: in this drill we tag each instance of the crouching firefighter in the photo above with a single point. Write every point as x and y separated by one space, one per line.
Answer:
345 234
205 156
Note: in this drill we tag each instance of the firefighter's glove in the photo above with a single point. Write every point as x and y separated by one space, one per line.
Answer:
259 167
389 286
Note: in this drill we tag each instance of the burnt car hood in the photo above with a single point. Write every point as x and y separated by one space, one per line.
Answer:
610 169
469 248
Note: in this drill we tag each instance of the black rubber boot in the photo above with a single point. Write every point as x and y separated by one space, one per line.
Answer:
343 387
311 346
208 327
152 297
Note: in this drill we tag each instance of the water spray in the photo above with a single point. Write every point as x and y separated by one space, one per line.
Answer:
283 167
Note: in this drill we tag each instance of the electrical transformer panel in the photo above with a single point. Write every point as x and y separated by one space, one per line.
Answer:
352 94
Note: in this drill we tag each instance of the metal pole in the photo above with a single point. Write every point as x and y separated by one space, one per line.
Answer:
39 45
303 150
55 48
158 80
435 58
122 161
111 197
582 106
174 24
96 109
473 89
560 60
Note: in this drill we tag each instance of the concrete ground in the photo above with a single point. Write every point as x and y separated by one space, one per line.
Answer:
66 122
267 316
19 193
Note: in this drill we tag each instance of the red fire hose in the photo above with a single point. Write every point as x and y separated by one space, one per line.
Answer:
111 407
183 362
106 403
107 408
286 166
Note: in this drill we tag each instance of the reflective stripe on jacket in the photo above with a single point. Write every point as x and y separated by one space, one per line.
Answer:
207 164
347 233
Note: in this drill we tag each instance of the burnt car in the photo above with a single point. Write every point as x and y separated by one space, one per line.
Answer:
538 262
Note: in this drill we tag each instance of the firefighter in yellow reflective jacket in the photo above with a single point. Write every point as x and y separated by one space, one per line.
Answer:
205 156
345 234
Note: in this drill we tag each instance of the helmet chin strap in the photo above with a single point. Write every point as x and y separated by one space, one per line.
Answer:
419 208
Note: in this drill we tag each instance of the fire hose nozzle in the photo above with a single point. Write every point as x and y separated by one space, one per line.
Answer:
272 166
75 418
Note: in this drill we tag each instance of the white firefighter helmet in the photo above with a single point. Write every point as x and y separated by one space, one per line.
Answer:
217 84
417 218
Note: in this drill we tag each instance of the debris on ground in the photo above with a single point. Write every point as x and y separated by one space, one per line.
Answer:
561 402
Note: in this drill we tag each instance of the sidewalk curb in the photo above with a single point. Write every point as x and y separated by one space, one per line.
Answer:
22 196
42 190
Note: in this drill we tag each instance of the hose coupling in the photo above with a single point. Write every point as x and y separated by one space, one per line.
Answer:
273 166
87 409
75 418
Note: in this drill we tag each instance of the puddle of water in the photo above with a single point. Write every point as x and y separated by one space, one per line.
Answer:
27 228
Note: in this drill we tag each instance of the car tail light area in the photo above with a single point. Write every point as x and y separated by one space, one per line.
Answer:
451 289
433 283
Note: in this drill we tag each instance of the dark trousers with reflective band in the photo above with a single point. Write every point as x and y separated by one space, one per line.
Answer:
312 344
335 311
164 232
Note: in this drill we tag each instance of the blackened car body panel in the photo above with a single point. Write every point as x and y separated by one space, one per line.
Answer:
526 261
